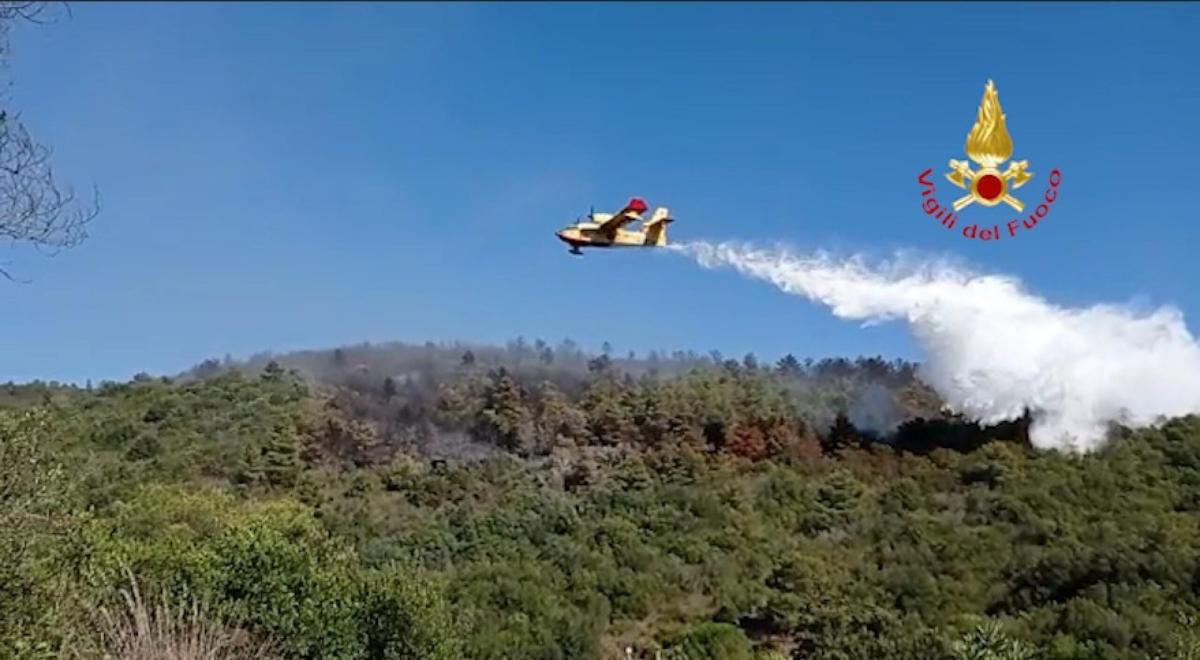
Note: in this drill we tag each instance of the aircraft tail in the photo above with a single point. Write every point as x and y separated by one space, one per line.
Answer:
656 227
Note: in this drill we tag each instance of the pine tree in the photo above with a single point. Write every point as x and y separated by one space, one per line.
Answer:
505 420
280 460
789 365
599 365
842 435
609 412
272 372
559 422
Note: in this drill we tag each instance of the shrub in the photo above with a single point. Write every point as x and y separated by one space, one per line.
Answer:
270 567
166 630
709 641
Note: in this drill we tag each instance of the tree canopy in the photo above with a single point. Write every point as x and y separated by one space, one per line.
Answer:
501 510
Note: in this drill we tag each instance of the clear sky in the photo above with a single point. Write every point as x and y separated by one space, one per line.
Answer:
280 176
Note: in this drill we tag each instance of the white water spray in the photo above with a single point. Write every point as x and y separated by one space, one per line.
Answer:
994 350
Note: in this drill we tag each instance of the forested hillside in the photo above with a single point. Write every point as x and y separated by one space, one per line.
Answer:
446 501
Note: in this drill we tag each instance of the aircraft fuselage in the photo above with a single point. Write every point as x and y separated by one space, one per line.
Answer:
582 236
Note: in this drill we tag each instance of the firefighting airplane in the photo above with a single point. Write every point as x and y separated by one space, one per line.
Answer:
605 230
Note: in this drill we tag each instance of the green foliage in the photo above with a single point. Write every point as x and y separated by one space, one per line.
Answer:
572 517
406 618
34 515
988 642
709 641
505 420
121 436
270 567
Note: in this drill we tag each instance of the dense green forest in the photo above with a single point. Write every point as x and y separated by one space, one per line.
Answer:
528 502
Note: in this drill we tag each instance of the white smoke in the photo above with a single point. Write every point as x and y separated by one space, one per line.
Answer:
874 409
994 350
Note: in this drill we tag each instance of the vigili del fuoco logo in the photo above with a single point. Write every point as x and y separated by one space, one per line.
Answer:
989 146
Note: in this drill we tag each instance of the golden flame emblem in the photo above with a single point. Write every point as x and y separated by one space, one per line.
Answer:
988 142
989 145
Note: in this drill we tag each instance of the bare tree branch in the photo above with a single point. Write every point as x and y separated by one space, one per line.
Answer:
34 207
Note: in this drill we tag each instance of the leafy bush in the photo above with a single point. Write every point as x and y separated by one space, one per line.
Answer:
709 641
34 514
269 566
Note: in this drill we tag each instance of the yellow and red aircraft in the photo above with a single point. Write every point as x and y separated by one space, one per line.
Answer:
606 230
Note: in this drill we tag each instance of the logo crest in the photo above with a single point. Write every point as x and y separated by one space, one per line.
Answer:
989 147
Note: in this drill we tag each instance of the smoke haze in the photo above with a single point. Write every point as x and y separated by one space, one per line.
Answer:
874 409
993 349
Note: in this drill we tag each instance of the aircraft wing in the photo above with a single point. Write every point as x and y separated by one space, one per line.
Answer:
630 213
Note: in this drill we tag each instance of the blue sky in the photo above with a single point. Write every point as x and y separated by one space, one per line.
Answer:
280 176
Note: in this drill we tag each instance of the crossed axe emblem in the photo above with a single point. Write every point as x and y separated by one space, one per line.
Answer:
994 183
